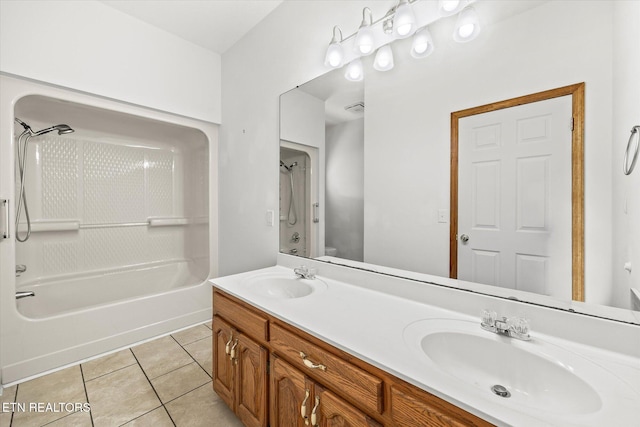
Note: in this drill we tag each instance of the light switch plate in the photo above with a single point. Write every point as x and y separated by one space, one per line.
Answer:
443 216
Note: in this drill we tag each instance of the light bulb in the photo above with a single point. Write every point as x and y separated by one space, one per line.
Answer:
335 56
335 53
466 30
404 21
422 45
364 40
450 7
354 71
467 26
384 59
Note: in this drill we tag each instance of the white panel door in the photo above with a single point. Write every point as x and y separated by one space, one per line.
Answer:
514 197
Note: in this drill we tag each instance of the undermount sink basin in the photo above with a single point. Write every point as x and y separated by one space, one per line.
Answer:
279 286
527 374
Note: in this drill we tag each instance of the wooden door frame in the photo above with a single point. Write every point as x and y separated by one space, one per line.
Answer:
577 176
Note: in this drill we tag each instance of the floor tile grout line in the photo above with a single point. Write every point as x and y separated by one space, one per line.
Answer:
191 342
173 370
142 415
194 359
111 372
86 394
15 399
185 393
152 387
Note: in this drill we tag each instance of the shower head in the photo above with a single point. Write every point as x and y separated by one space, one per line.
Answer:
61 128
282 165
288 168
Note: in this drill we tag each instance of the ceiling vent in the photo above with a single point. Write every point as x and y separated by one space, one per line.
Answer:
358 107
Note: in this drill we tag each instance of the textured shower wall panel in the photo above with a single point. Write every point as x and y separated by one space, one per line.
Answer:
59 159
115 246
160 167
197 176
114 187
118 186
60 257
167 243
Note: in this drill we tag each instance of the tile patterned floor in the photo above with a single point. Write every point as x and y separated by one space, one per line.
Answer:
164 382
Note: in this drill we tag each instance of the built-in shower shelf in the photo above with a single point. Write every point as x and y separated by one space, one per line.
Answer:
75 225
57 225
169 221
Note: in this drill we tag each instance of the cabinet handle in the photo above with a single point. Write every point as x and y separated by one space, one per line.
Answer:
314 415
309 364
303 407
227 347
232 353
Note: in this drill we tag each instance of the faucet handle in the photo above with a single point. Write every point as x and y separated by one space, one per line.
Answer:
489 318
519 326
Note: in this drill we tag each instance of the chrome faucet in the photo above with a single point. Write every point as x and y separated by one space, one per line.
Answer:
305 272
513 327
25 294
20 268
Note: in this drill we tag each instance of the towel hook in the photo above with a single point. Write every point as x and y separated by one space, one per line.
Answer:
632 145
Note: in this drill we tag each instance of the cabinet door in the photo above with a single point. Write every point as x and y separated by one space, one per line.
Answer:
223 380
335 412
289 388
251 382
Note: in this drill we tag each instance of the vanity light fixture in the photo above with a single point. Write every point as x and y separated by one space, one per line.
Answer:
354 72
404 21
335 52
468 26
384 59
422 45
450 7
407 18
365 38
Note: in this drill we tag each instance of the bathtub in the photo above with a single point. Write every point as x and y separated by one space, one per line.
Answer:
72 294
109 270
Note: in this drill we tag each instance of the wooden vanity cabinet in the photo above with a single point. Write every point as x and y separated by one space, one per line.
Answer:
288 391
240 364
297 400
223 377
272 374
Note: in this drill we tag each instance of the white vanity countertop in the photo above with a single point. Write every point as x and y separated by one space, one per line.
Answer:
370 324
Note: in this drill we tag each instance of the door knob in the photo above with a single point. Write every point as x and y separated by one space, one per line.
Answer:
464 238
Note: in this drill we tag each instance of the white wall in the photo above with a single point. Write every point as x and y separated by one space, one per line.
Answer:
286 49
345 189
88 46
626 114
540 49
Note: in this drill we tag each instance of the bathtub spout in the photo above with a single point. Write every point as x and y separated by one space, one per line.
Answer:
25 294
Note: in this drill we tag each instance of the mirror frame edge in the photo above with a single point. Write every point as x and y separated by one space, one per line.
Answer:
577 92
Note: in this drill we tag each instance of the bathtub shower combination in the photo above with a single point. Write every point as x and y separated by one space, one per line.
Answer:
110 236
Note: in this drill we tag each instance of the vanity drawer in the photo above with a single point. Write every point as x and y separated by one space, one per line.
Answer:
241 317
331 371
421 408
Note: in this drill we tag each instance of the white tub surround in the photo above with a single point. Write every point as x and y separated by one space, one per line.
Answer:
122 237
369 315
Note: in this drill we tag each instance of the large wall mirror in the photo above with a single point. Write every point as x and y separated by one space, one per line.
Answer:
366 167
